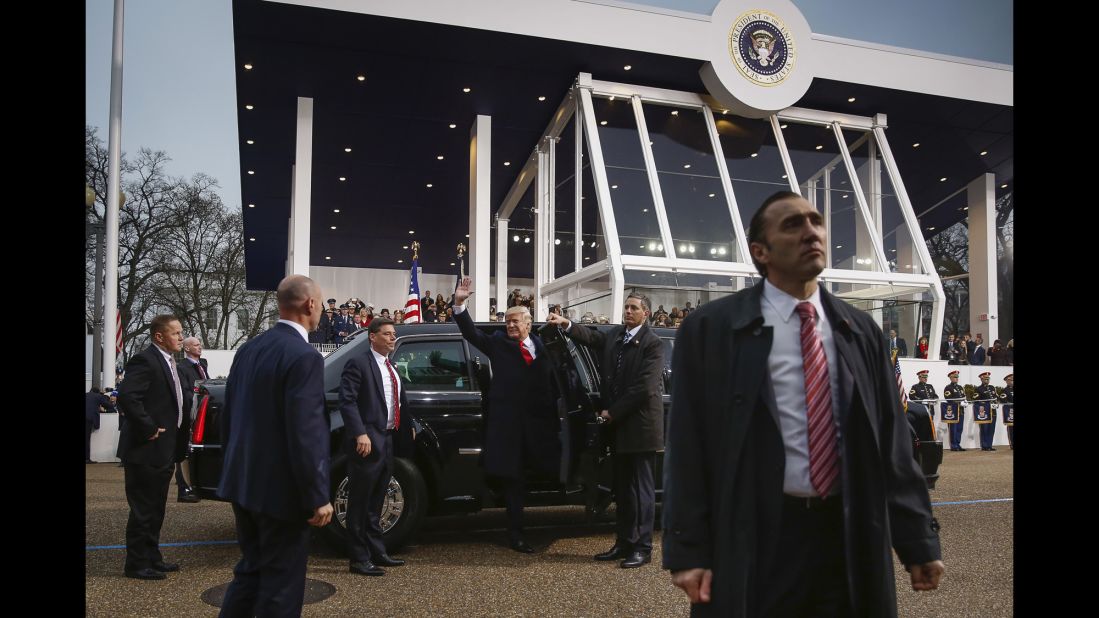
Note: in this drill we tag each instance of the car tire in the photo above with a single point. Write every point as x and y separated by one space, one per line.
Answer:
403 511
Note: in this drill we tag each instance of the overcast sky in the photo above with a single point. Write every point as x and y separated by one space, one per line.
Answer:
179 93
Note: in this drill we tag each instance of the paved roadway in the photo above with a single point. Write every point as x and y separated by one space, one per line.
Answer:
458 565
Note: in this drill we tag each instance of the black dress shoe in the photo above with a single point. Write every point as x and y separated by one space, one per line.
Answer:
366 568
991 449
522 547
384 560
145 573
165 567
636 559
88 461
189 497
617 552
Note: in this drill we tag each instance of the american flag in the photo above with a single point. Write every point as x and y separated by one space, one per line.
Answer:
900 382
412 306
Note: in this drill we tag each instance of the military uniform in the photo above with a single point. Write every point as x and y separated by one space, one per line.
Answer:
922 390
1008 399
954 393
987 393
342 324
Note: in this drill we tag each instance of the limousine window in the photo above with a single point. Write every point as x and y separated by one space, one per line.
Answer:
433 366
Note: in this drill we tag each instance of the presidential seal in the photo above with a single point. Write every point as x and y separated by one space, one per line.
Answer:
762 48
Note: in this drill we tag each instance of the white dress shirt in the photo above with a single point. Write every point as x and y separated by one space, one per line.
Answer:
785 364
178 386
527 343
387 386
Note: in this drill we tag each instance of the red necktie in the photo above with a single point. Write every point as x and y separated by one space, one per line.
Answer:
823 460
201 371
526 353
396 396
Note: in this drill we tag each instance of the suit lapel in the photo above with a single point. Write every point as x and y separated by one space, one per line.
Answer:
167 374
378 377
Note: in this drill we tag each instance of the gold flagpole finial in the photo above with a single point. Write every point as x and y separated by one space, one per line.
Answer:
415 250
461 249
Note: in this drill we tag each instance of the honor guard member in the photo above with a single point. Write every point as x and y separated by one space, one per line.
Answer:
922 391
986 396
953 410
343 325
1008 402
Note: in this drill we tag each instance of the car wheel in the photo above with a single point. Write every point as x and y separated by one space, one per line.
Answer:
403 510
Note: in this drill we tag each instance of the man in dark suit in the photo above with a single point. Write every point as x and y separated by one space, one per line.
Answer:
323 334
950 350
371 399
521 425
276 433
632 388
151 397
978 353
898 344
191 369
95 402
789 468
343 325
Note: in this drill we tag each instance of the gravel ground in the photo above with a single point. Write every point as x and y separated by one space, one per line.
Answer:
459 566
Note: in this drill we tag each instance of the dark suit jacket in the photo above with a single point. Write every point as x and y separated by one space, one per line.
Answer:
148 399
362 404
274 428
521 426
634 398
92 403
902 347
724 463
188 375
977 356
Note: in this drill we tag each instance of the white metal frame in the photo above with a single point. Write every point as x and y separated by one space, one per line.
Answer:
578 103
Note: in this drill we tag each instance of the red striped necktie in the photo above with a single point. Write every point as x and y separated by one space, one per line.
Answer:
823 460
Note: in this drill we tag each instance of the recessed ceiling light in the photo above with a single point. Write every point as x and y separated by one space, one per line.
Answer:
784 175
644 210
526 239
724 112
614 186
465 89
556 241
1003 186
850 99
541 98
691 248
335 210
712 194
839 246
429 185
713 251
602 123
721 250
782 126
405 247
984 152
931 229
515 238
333 227
343 178
819 146
593 244
682 248
627 67
348 149
453 126
652 274
251 205
507 163
587 257
916 145
400 261
675 112
247 67
943 179
251 172
893 250
361 78
249 107
328 257
755 154
440 157
250 142
467 235
845 196
452 263
612 97
686 166
411 231
965 208
252 240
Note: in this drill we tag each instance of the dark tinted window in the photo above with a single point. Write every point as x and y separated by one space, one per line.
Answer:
433 365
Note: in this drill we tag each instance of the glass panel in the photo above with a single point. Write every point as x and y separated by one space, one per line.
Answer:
564 223
631 196
596 303
698 213
754 162
897 242
592 224
521 236
678 293
432 366
818 170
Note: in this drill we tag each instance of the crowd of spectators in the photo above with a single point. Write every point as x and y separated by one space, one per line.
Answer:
970 350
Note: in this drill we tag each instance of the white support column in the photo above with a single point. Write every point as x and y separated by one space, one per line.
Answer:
981 198
541 205
301 199
501 264
480 218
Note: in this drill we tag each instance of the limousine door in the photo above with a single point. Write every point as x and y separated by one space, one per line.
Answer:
577 403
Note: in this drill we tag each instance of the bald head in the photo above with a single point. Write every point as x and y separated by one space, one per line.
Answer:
192 347
300 300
